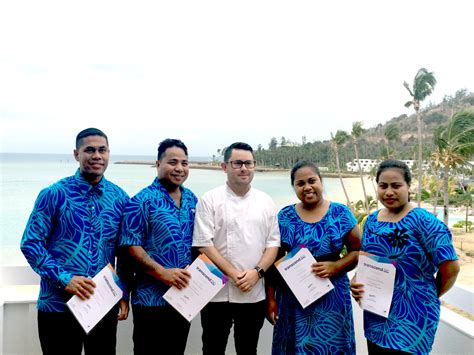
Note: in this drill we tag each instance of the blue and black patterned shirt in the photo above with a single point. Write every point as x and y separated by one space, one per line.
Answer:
73 230
153 221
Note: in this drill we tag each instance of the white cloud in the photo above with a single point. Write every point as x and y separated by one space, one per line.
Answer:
212 72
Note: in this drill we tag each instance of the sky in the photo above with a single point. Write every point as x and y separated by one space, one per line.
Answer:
214 72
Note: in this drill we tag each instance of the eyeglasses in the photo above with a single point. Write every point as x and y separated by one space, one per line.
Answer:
237 164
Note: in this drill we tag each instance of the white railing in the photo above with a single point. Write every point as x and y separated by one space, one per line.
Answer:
18 326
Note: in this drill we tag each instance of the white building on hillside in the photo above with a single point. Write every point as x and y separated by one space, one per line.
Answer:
367 165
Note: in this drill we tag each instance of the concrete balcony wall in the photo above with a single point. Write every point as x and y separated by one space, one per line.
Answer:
19 332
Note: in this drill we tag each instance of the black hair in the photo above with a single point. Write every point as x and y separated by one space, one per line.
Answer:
237 145
303 164
89 132
394 164
168 143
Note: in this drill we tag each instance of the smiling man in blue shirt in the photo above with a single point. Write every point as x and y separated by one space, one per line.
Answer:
71 235
157 229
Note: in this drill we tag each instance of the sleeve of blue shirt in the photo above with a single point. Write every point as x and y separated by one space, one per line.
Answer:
124 265
436 238
134 224
38 229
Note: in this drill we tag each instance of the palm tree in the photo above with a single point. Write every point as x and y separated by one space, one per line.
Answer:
391 133
423 86
338 140
356 133
454 146
372 177
468 191
432 186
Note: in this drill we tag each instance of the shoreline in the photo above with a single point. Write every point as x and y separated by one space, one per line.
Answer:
211 166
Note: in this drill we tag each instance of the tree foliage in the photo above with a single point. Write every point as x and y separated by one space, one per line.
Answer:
372 144
454 147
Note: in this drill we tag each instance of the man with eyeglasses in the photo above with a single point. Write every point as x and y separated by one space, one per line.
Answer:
236 226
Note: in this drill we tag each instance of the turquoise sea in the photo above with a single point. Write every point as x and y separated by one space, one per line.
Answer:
24 175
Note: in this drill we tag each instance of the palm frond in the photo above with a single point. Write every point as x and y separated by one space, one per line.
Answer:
357 129
340 137
423 84
407 86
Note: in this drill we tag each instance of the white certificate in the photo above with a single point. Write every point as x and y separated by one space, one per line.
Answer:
206 280
378 276
295 268
106 295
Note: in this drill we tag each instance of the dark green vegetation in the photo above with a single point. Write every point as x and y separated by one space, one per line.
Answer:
396 138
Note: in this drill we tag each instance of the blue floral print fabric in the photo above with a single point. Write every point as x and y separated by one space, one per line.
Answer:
153 221
418 244
326 326
72 230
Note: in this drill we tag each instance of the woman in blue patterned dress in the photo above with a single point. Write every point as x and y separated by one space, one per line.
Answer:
420 244
326 326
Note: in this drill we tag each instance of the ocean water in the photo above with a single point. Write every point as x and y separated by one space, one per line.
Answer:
24 175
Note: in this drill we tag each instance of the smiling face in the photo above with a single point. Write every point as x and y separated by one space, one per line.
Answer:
93 158
239 179
308 186
173 168
393 190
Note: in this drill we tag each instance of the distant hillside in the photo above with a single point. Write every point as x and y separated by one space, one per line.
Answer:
433 117
373 144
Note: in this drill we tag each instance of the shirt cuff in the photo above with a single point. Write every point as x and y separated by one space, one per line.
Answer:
203 243
126 296
65 278
273 244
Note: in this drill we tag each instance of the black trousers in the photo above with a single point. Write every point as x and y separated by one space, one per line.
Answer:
60 333
217 319
159 330
374 349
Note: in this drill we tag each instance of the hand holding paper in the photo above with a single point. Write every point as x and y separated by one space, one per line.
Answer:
377 274
206 280
296 270
106 294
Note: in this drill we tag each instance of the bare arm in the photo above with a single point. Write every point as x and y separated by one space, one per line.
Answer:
268 258
123 310
348 262
171 277
270 290
446 276
272 307
248 278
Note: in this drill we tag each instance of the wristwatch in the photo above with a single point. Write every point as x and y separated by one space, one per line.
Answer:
260 271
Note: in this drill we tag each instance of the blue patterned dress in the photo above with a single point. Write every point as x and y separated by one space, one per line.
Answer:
152 220
418 243
326 326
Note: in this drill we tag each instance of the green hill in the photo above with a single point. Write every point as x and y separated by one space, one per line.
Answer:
373 144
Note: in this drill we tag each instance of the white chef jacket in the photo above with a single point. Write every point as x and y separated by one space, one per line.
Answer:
240 228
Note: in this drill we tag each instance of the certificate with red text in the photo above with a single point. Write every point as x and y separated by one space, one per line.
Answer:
295 268
107 293
378 276
206 280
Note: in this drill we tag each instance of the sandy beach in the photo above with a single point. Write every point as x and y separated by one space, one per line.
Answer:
354 189
464 243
